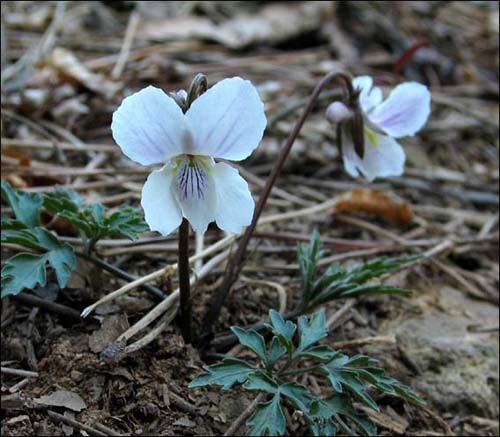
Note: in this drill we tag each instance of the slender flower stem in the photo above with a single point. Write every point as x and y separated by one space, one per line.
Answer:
184 285
236 263
198 86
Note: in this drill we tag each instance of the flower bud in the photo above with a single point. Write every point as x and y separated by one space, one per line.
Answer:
338 112
180 97
182 94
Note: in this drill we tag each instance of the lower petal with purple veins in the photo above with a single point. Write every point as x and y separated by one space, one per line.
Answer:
193 185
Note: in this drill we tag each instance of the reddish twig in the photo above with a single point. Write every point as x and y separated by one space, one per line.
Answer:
408 54
236 262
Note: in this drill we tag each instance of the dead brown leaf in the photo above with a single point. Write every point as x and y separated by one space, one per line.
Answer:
375 202
70 68
274 24
63 398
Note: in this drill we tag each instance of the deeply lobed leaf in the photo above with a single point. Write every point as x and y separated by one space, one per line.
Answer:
350 377
27 270
337 283
92 220
309 257
341 406
268 417
24 270
228 372
357 373
311 330
252 340
26 206
283 330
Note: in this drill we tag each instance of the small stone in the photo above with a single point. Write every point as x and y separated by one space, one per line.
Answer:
184 422
459 369
76 375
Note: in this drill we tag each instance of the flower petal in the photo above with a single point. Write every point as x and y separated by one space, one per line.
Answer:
235 204
405 111
370 96
149 127
195 191
349 155
227 121
383 157
161 209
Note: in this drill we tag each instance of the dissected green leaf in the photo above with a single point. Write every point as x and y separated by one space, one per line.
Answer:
284 330
252 340
275 352
320 408
333 273
63 261
366 290
280 326
309 257
320 419
357 373
311 330
260 381
26 270
299 394
377 267
92 220
97 211
62 199
12 224
407 392
81 221
351 377
336 283
125 221
267 417
23 237
344 377
376 377
323 427
360 361
363 367
351 382
335 377
335 291
351 282
341 406
26 206
228 372
320 352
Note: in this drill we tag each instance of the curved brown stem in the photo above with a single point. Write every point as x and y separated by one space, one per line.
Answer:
236 263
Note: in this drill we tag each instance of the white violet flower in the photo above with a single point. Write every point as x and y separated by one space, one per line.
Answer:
402 114
227 121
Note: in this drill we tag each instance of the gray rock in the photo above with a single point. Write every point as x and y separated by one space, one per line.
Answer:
458 368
